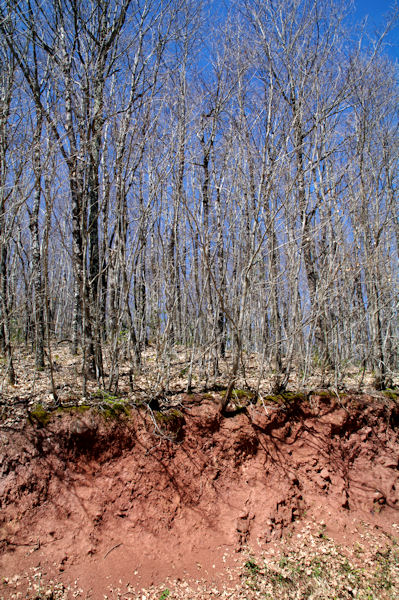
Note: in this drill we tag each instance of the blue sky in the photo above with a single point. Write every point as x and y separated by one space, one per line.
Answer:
375 11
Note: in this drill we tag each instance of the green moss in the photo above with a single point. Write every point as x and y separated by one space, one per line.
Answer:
111 406
42 416
78 408
293 396
323 393
115 409
285 398
238 394
39 415
392 394
110 409
171 422
168 417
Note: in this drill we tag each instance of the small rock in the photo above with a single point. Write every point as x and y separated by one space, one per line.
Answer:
324 473
379 498
364 433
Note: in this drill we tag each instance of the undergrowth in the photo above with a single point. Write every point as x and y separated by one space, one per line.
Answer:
319 569
109 407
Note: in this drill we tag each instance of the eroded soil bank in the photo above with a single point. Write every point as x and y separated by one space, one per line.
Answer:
98 505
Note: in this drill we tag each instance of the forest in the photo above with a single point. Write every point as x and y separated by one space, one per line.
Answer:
218 180
199 300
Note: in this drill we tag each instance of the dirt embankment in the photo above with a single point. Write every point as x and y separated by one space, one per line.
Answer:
100 504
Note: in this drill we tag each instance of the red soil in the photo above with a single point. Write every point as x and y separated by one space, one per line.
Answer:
111 504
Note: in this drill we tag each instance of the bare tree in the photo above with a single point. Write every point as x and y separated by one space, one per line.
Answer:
7 83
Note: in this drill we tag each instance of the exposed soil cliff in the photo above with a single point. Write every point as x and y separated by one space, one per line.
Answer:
125 501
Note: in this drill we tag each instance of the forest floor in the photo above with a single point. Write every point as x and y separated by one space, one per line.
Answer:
292 496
